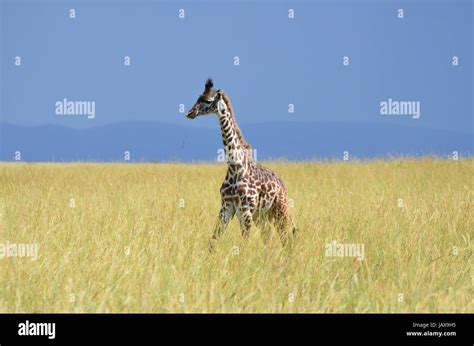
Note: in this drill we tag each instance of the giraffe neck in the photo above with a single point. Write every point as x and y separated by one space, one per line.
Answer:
235 146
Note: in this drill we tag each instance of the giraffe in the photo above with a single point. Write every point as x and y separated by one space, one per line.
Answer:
250 191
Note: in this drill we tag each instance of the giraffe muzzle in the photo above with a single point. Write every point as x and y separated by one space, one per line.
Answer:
191 114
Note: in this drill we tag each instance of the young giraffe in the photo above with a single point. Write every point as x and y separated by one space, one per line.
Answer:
249 190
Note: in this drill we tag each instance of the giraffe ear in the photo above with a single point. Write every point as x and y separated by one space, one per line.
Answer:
209 85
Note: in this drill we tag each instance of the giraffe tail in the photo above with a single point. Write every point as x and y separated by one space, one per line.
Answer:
295 230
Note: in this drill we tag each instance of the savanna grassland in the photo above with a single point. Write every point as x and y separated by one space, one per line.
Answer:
133 238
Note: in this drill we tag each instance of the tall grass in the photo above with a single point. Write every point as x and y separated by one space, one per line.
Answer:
133 238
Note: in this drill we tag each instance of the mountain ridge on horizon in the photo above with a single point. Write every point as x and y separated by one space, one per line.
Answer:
158 141
197 124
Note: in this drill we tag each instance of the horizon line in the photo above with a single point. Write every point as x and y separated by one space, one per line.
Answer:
466 132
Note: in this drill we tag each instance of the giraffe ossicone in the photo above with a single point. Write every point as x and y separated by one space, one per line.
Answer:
250 191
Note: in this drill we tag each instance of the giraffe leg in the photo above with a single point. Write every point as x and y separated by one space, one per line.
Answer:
283 222
225 215
245 218
262 223
282 231
246 210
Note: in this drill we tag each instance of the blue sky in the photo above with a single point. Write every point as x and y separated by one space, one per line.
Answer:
282 60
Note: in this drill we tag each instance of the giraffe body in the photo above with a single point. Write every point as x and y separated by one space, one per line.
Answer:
249 191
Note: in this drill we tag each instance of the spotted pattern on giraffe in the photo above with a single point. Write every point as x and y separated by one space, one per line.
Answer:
250 191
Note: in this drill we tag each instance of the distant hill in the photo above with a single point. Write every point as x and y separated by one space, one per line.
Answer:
151 141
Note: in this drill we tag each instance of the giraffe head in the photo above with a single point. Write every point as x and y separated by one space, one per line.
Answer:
207 102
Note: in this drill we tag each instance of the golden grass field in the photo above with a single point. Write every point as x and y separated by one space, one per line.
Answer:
114 238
